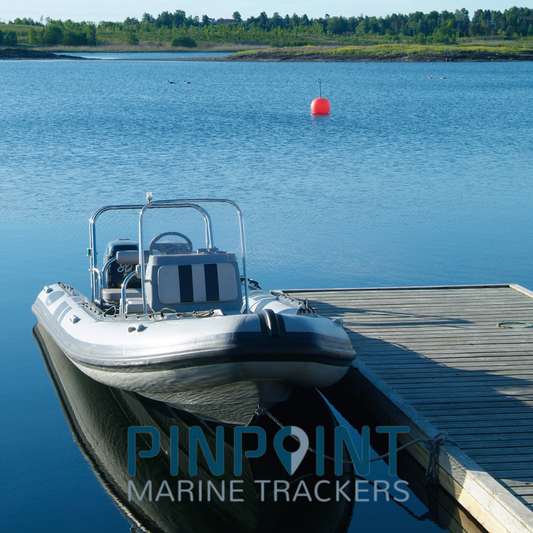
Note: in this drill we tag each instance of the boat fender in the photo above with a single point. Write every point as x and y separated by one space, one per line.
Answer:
272 324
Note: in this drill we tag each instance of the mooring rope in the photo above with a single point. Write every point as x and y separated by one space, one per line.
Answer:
510 325
432 446
303 305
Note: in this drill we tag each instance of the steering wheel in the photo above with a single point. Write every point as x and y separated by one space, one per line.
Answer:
161 235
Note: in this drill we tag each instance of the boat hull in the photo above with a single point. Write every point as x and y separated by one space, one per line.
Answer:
175 358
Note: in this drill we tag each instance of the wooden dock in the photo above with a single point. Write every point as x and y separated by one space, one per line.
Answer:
437 359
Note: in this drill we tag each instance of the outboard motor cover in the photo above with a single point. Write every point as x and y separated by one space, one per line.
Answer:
116 273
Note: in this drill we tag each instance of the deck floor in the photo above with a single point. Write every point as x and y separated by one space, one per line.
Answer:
442 350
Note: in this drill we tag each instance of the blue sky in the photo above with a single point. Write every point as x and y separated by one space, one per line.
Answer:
118 10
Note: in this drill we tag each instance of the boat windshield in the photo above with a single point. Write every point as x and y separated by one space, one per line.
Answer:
177 229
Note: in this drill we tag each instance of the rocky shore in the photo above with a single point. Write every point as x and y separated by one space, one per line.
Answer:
455 56
24 53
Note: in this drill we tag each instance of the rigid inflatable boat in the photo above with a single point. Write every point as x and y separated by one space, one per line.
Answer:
186 325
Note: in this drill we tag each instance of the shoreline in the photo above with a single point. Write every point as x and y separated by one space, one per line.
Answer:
26 54
274 56
399 57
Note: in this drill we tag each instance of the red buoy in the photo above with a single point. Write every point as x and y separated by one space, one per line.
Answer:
320 106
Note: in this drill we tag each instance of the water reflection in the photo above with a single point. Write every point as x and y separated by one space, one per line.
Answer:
99 418
442 511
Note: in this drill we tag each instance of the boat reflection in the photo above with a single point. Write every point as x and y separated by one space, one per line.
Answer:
99 417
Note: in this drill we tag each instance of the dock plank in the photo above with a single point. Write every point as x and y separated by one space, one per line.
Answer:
438 358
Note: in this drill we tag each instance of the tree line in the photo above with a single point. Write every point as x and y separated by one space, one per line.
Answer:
182 30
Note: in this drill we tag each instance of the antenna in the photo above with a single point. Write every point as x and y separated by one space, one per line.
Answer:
320 88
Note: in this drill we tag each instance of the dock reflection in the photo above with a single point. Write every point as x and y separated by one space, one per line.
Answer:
443 511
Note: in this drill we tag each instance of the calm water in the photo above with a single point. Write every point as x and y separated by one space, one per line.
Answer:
409 181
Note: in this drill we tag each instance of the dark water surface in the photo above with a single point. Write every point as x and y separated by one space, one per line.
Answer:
145 55
408 181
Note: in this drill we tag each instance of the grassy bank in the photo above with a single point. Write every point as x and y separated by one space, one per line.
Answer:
398 52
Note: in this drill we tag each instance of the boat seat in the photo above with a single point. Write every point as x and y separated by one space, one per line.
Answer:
113 295
134 305
193 282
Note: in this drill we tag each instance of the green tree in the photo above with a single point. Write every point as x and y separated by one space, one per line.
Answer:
74 38
431 20
375 26
186 42
277 21
444 33
34 37
462 20
337 25
237 17
414 23
52 35
10 39
131 38
263 20
363 27
421 39
165 19
131 21
179 18
1 37
91 34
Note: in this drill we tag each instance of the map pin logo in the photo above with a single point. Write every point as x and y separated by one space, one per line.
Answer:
291 460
